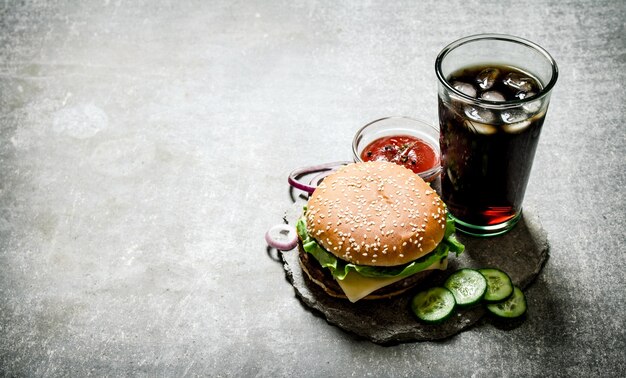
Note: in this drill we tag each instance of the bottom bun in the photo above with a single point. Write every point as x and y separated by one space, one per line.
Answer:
324 279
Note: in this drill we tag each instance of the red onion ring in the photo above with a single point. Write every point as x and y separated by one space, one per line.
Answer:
318 178
310 188
282 237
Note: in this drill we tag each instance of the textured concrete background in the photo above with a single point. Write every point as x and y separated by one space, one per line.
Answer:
144 149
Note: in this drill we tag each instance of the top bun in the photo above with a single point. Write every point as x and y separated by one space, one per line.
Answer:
376 213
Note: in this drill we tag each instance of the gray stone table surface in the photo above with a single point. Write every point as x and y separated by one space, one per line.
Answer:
144 149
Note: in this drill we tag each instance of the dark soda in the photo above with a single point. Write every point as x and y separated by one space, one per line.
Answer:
488 144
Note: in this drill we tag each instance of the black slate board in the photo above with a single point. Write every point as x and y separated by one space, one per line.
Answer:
521 253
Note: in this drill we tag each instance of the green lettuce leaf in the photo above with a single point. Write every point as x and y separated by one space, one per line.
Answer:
449 237
340 268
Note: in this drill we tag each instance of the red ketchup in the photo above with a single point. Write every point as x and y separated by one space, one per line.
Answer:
405 150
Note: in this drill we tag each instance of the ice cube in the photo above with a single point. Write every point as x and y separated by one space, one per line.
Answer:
514 115
518 81
522 95
493 96
516 128
464 88
487 77
532 107
479 114
480 128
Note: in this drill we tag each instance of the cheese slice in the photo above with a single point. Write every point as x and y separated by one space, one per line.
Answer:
356 286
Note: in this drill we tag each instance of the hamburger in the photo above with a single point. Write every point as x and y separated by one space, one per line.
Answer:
374 230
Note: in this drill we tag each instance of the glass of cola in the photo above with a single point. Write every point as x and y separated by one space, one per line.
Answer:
494 92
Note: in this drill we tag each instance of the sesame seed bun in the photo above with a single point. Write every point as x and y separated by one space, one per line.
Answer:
376 213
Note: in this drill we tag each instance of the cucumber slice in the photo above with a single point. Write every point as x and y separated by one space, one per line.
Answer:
499 285
467 285
433 305
513 307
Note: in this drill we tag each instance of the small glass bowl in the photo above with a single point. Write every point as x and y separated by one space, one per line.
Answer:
389 126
